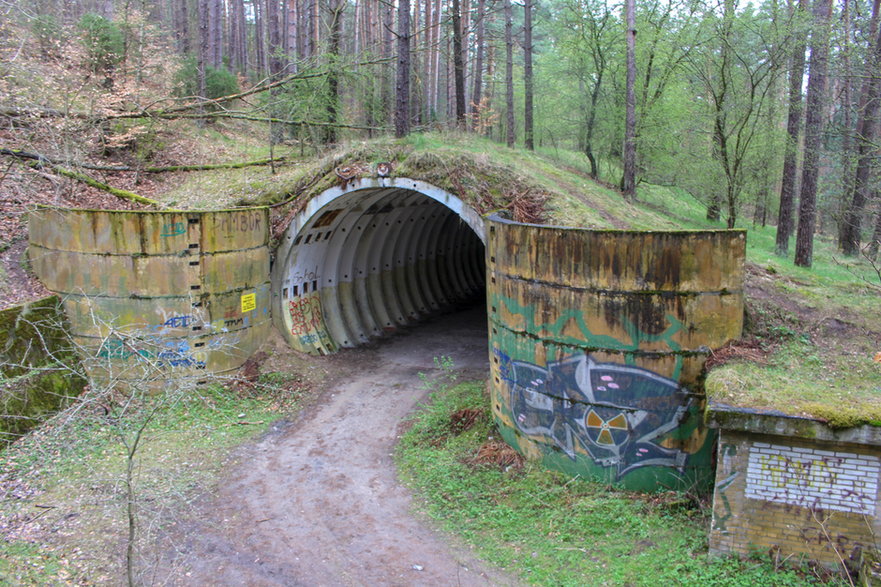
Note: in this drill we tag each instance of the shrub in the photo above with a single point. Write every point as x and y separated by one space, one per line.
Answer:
103 41
49 35
218 82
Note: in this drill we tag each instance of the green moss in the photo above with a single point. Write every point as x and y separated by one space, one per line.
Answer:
32 386
802 379
27 400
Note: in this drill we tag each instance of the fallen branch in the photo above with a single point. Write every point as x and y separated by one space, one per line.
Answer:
245 116
211 166
43 159
124 194
12 112
39 162
150 111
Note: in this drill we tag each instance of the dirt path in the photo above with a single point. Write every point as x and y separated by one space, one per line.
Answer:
317 502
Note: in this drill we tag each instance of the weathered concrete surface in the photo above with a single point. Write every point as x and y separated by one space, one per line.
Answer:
599 340
186 293
795 487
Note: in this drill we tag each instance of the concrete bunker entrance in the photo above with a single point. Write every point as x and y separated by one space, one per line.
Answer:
360 261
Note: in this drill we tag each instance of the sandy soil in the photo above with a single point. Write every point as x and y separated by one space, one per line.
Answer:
317 502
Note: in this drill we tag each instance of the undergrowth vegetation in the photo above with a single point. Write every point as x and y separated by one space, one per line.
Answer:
66 479
550 529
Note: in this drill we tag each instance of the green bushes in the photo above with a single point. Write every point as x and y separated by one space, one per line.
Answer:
103 41
218 82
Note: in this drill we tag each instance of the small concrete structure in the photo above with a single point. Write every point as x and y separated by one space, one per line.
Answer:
795 487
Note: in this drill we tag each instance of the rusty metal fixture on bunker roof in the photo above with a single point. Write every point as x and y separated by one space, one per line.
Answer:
383 169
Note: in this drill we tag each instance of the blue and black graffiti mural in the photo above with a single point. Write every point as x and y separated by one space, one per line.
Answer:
618 414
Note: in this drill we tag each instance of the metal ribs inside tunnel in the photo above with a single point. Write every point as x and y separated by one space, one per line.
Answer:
361 261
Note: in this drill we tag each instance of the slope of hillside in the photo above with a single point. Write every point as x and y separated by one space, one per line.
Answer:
804 326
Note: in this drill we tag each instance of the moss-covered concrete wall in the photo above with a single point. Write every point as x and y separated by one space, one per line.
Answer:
598 342
37 366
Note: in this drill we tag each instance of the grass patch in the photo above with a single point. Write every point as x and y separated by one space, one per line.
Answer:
801 379
553 530
63 512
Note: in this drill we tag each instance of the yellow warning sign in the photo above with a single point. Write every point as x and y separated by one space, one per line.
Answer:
249 302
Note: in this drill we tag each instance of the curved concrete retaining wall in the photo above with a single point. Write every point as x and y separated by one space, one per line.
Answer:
362 260
182 293
598 341
37 366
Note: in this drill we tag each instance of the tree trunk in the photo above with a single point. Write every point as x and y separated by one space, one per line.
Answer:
333 97
591 124
388 105
490 96
216 34
259 43
204 41
509 74
628 179
243 37
435 98
316 26
458 65
477 92
402 90
416 74
867 131
816 102
793 123
274 48
292 34
232 39
528 89
875 243
183 30
427 114
846 130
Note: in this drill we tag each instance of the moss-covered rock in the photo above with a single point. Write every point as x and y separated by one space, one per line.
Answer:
37 374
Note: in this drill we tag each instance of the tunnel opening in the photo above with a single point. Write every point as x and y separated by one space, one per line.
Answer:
362 261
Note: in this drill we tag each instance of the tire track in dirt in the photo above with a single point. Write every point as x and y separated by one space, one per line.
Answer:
317 501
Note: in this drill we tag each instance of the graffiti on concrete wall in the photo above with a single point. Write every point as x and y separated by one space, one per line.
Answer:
241 222
173 229
169 353
813 478
305 315
531 323
614 413
727 452
320 337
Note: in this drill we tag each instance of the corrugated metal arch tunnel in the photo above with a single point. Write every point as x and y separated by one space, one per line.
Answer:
362 260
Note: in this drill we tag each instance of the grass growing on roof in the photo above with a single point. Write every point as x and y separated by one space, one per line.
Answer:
552 530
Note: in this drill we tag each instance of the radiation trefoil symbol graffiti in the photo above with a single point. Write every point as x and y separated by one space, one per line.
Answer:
616 413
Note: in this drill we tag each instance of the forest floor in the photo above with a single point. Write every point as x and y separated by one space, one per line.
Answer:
316 501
